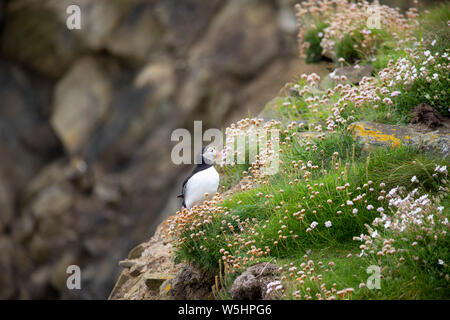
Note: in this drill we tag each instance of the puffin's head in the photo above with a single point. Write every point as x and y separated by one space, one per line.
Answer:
210 155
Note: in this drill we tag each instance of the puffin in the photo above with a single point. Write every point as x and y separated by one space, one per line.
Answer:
203 182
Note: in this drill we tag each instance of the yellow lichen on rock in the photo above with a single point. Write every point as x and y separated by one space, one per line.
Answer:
373 134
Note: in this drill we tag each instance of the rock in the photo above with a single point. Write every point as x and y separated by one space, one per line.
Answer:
139 33
99 18
394 136
191 95
159 76
136 270
354 74
155 266
252 284
185 20
7 283
26 137
6 201
58 277
36 37
427 115
116 291
109 193
55 199
127 263
155 280
137 251
53 173
191 284
81 100
242 38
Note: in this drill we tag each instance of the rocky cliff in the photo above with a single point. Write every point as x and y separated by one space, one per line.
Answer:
86 117
173 263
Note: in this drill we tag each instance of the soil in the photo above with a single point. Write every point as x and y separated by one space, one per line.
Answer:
427 119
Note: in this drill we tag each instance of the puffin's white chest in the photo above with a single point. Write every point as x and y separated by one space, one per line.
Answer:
205 181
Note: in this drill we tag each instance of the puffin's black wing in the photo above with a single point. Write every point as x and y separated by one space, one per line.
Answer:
183 188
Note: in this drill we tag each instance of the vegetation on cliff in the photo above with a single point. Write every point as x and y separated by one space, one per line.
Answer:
337 210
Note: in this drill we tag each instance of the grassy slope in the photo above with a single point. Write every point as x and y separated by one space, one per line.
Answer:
275 218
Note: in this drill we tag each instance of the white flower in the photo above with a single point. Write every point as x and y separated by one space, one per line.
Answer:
393 191
349 203
374 234
441 262
355 211
320 34
414 179
395 93
387 101
370 207
328 224
435 76
380 209
314 224
427 53
433 43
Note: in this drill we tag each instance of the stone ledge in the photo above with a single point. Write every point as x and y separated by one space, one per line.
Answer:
393 136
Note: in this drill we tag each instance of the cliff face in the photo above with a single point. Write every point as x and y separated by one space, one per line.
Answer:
86 117
151 272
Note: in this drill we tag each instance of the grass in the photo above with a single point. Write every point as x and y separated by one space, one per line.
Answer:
278 222
306 217
312 36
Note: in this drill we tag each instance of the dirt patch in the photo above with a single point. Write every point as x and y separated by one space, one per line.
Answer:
252 284
425 118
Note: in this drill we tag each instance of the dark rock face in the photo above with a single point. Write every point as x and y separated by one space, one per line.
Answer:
86 117
252 284
427 115
191 284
